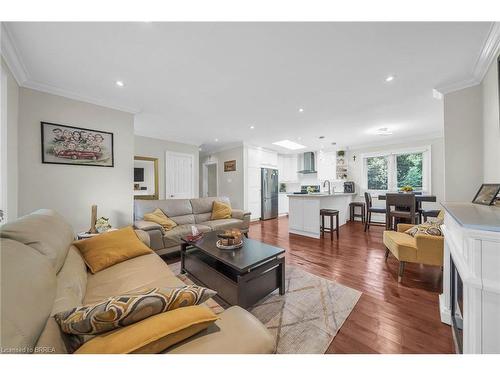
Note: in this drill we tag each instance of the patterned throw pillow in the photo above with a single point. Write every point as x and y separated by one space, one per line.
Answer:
128 309
429 228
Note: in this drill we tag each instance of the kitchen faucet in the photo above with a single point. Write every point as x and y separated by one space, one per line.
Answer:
329 186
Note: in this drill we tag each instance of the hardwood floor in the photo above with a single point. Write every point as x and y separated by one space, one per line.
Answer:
389 317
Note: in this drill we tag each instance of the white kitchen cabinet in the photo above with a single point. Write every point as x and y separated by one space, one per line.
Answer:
326 165
257 158
261 158
282 204
253 191
287 166
281 168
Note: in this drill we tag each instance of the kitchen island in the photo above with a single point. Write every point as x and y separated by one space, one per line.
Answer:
303 211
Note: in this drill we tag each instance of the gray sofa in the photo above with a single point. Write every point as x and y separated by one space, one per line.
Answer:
186 213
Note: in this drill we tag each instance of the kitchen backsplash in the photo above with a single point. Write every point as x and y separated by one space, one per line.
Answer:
338 186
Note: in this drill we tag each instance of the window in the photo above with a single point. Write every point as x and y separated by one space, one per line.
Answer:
377 173
393 170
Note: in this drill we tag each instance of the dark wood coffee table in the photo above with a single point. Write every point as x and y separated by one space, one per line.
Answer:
242 276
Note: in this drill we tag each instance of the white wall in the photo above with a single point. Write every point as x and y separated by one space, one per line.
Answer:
491 127
437 166
463 146
156 148
72 189
231 184
8 139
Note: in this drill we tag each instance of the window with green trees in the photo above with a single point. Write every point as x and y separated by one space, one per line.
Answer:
409 170
391 171
377 173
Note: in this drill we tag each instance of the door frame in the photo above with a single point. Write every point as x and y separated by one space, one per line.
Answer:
193 182
205 177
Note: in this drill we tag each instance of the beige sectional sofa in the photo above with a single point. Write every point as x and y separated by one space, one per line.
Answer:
186 213
42 273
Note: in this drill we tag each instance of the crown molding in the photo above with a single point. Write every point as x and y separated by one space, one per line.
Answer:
457 85
12 57
14 62
34 85
489 52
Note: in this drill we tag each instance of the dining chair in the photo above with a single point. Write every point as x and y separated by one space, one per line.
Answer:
400 206
370 209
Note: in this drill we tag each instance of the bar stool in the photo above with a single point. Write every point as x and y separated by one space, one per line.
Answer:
352 211
330 213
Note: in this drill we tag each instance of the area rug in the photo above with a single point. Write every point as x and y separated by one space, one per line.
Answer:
307 317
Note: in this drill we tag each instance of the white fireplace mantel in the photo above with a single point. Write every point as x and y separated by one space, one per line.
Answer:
472 239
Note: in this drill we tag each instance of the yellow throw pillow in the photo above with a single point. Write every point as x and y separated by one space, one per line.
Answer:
159 217
221 210
108 249
152 335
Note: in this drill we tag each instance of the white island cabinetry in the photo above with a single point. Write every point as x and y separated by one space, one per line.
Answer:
303 213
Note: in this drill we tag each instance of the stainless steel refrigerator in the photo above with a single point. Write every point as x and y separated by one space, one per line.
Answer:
269 193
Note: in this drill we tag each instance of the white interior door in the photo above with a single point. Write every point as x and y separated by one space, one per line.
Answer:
179 175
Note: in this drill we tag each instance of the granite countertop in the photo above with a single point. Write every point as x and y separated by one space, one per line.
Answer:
475 216
319 195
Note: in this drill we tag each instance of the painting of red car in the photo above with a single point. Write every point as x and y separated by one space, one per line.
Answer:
75 155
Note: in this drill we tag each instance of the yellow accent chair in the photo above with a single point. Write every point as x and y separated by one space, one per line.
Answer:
422 249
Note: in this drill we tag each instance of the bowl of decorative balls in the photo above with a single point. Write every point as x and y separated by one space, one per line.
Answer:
229 239
407 189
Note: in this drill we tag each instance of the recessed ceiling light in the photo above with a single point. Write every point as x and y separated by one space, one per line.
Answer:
384 131
299 138
334 143
216 139
389 78
301 109
289 144
120 83
252 127
321 137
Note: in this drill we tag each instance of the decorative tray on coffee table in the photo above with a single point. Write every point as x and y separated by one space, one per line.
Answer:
230 239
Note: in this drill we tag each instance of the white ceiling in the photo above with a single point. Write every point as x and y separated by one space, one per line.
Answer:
194 82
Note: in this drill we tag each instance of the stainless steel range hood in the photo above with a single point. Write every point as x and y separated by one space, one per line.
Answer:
308 165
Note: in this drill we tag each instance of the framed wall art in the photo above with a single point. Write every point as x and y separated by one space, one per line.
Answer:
63 144
486 194
230 166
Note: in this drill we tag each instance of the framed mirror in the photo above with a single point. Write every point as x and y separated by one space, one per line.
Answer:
145 177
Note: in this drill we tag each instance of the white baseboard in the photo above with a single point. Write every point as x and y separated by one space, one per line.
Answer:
444 311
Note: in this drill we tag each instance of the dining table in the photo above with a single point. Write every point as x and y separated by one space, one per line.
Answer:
419 198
